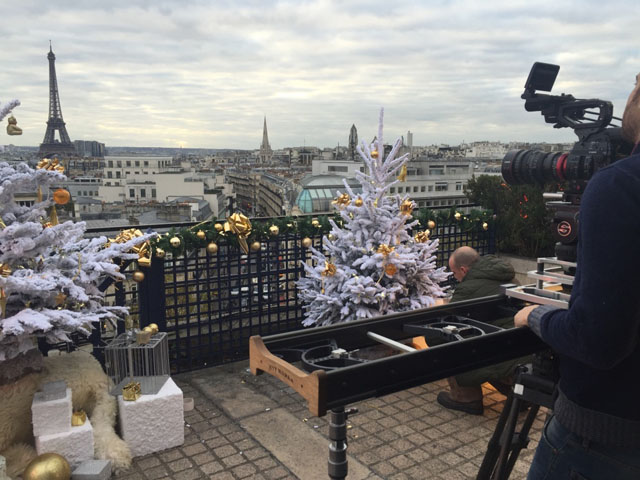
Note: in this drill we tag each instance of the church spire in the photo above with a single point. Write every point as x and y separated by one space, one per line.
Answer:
266 154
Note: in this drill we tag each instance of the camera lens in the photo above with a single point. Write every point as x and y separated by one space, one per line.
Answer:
533 167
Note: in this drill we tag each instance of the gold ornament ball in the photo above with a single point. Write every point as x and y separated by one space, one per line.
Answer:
160 253
358 202
154 328
374 154
255 246
138 276
306 242
274 230
201 235
148 329
331 237
315 223
175 242
485 226
48 466
431 224
458 216
61 196
212 248
218 227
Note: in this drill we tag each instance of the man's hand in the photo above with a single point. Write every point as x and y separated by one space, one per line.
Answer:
521 318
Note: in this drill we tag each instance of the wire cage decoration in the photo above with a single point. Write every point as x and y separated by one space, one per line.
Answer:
129 362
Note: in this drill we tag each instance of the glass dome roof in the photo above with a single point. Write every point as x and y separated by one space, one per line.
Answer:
319 191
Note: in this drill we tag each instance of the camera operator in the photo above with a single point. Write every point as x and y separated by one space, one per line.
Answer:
594 432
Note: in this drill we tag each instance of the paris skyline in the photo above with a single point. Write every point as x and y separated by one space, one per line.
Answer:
142 73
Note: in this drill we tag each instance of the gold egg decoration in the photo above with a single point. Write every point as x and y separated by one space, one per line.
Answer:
212 248
306 242
48 466
431 224
154 328
201 235
457 216
485 226
175 242
160 253
255 246
358 202
274 230
138 276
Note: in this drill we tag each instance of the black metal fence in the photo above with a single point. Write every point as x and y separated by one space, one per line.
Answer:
210 304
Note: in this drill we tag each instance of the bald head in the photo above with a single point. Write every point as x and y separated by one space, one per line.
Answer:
461 260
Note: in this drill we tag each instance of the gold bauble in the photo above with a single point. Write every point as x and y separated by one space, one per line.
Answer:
154 328
61 196
255 246
358 202
331 237
48 466
390 269
315 223
307 242
431 224
274 230
218 227
148 329
175 242
138 276
201 235
485 226
212 248
374 154
457 215
160 253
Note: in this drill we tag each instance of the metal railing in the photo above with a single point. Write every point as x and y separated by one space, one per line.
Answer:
210 304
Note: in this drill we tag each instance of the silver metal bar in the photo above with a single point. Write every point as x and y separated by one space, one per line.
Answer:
390 343
540 296
551 276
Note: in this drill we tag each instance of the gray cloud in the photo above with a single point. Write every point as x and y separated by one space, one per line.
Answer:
203 74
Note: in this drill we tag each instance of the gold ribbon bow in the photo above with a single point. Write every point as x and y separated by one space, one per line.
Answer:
403 173
406 207
385 250
329 270
142 249
343 200
131 392
421 237
48 164
241 226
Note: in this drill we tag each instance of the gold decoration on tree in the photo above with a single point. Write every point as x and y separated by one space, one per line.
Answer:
154 328
274 230
201 235
255 246
307 242
329 269
12 126
358 202
421 237
374 154
485 226
175 242
142 249
315 223
53 216
212 248
457 216
48 164
342 201
160 253
385 250
138 276
60 298
403 173
218 227
406 207
148 329
78 418
331 237
239 225
390 269
131 392
61 196
48 466
431 224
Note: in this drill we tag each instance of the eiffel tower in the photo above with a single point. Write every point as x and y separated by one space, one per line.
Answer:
52 146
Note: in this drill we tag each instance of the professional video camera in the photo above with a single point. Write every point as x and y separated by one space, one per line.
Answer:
598 145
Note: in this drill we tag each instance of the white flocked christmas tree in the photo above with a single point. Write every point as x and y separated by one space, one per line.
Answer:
49 274
370 264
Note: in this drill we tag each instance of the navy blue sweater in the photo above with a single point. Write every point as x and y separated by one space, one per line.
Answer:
597 338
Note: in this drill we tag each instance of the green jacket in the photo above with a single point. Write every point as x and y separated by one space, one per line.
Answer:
484 278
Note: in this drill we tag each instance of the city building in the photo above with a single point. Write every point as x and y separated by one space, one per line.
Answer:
266 154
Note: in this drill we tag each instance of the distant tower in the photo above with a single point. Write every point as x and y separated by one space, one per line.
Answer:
51 145
410 142
266 154
353 142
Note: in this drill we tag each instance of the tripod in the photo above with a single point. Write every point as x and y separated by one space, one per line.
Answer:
505 445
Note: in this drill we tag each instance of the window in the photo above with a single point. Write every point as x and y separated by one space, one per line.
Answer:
392 190
443 187
415 189
109 174
146 163
110 163
118 174
107 184
458 186
399 189
132 193
153 193
137 163
338 168
436 170
128 163
143 193
422 188
119 163
431 188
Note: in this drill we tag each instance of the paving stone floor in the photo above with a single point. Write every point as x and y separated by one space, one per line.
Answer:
405 435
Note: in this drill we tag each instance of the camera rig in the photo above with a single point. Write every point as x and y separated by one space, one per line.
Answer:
598 145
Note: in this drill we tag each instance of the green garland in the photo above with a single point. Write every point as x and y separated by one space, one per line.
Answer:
306 226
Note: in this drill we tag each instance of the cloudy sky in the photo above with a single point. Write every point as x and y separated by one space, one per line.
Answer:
198 73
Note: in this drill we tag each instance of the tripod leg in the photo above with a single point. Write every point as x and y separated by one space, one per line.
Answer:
493 449
506 441
523 438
